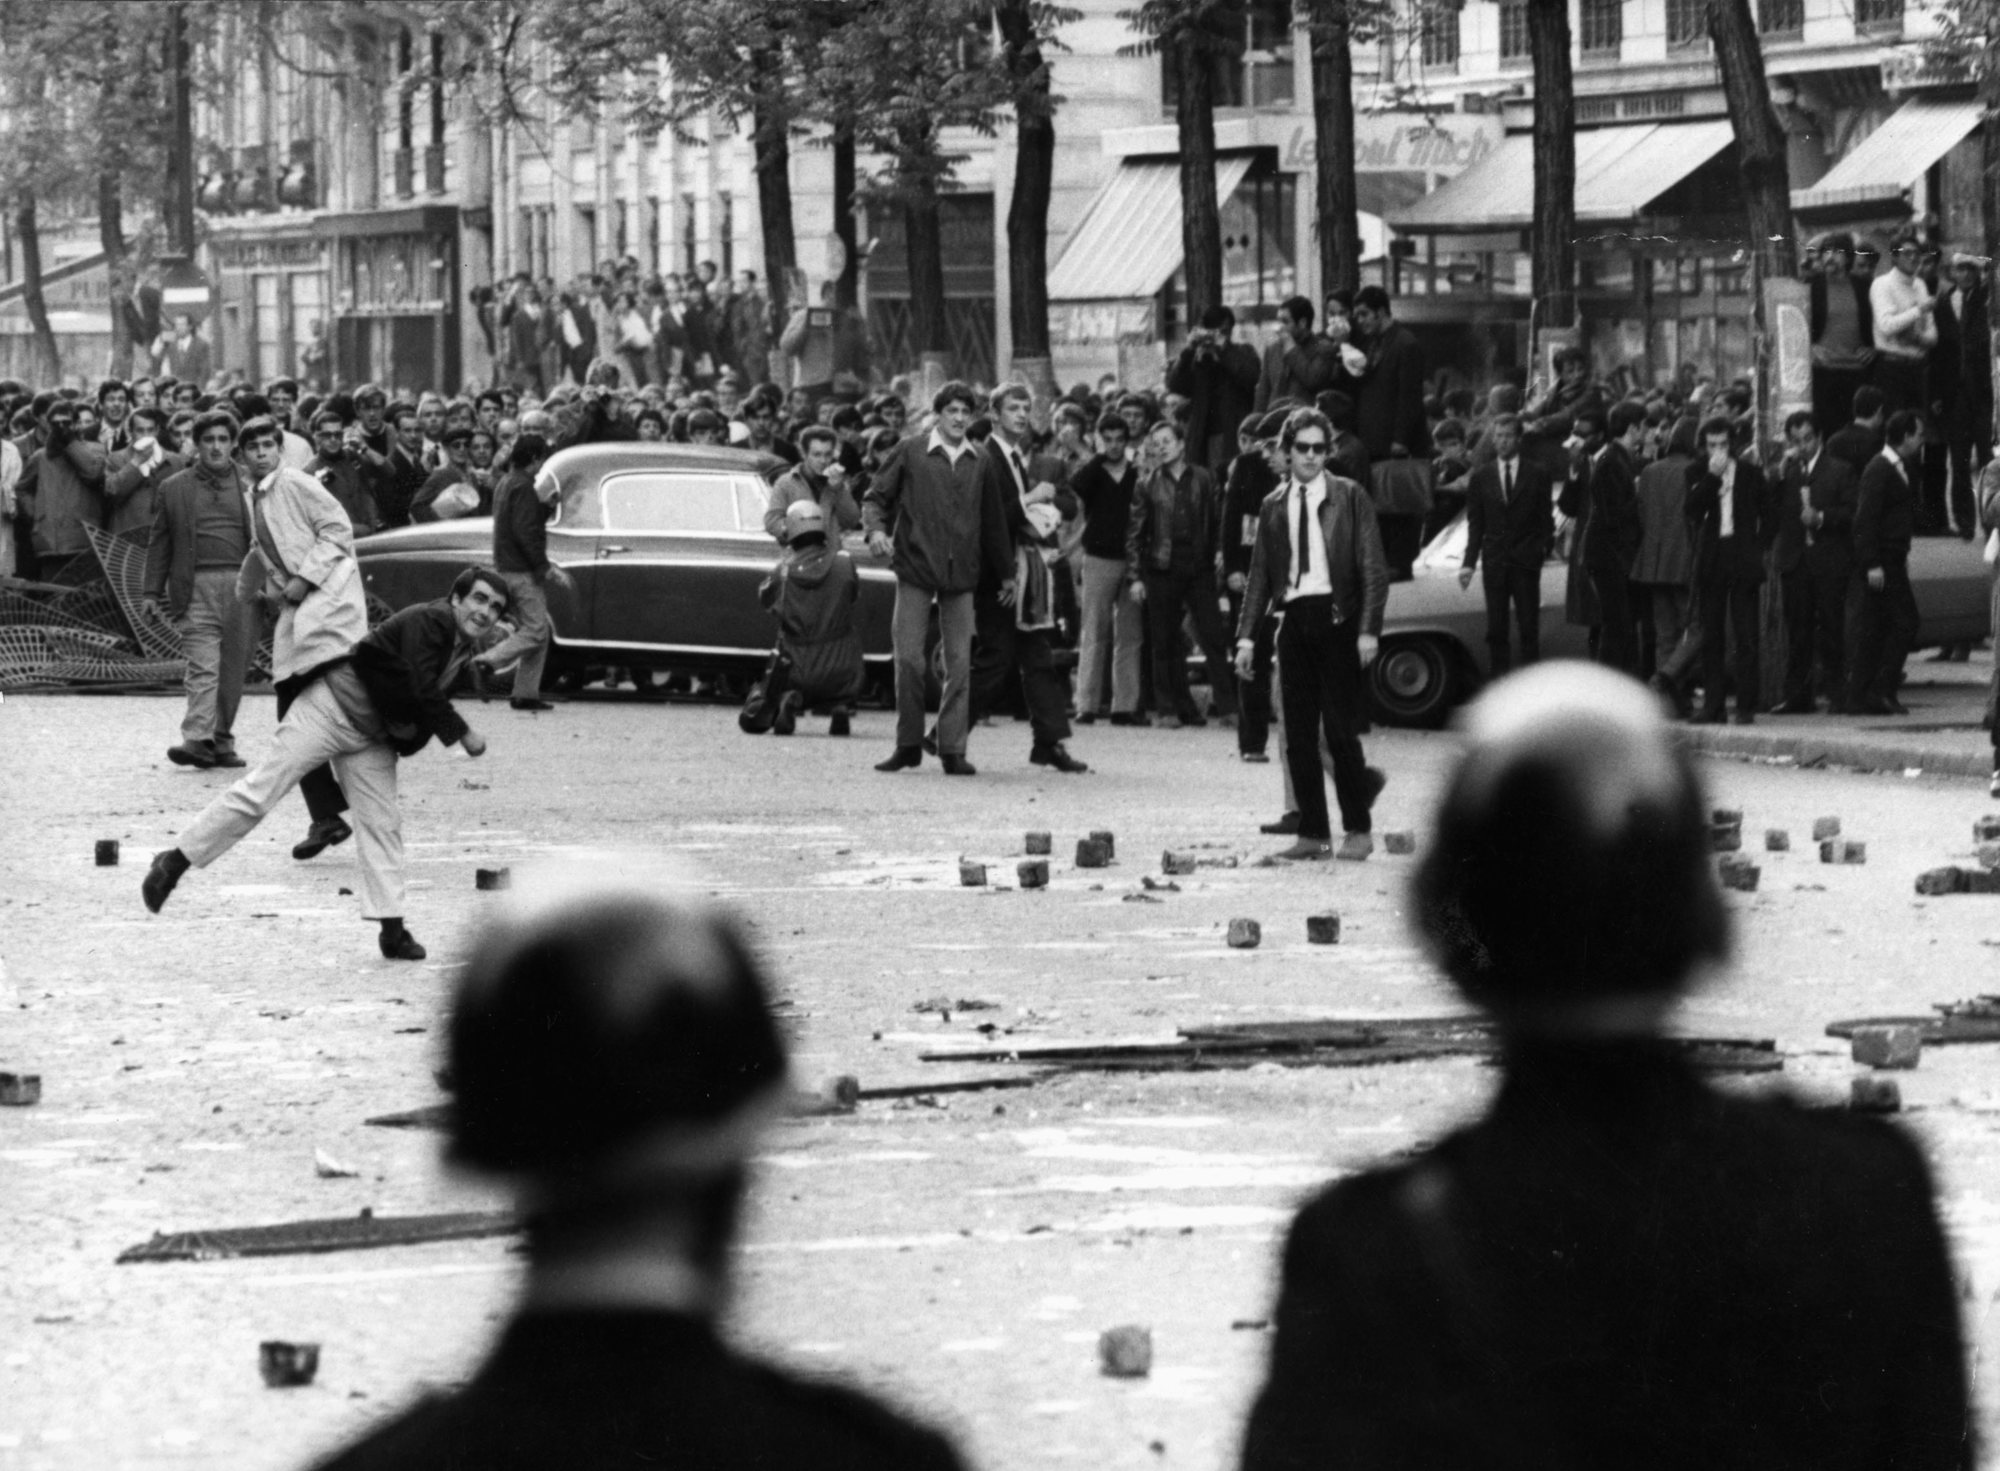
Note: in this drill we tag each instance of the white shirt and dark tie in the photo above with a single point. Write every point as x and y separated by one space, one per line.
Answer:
1309 577
1509 472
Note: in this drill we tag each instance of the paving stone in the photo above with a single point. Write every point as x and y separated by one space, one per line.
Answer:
287 1365
1986 829
1824 828
1874 1095
1843 850
1989 855
1245 934
1178 863
1104 835
107 852
1726 817
1741 877
1933 881
972 875
1092 853
1033 873
1887 1047
493 878
1399 844
1777 840
1040 843
1322 929
1979 881
20 1090
1126 1352
1725 838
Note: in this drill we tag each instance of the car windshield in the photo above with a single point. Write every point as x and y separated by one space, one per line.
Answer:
682 502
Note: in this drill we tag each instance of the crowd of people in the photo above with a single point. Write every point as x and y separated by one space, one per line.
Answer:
1066 570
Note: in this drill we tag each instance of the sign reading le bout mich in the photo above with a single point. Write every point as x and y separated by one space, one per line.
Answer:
1390 144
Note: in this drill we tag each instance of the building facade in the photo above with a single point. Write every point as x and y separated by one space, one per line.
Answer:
355 198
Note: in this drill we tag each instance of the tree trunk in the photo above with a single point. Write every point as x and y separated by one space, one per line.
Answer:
1333 147
111 235
772 160
1989 194
1553 246
923 234
48 358
1201 211
1034 178
846 291
1760 138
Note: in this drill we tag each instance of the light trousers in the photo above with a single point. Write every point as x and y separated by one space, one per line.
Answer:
216 636
318 728
909 635
1114 634
528 607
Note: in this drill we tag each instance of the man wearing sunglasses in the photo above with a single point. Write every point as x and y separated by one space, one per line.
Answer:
200 535
1319 559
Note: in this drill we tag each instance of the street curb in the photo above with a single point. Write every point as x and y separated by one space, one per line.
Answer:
1856 750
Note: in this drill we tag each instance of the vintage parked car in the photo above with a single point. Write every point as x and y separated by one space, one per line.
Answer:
666 544
1433 654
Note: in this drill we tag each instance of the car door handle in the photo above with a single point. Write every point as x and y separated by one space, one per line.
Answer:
603 552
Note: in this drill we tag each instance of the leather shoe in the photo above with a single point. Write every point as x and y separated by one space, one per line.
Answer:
229 761
161 878
1894 706
1307 850
326 833
198 754
1375 778
841 724
403 946
787 719
529 705
1056 758
1193 719
1285 827
1258 757
1086 717
1868 705
1136 718
958 766
1797 705
1355 847
902 759
930 742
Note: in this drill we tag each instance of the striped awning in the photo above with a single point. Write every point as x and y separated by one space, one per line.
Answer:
1883 166
1619 171
1129 244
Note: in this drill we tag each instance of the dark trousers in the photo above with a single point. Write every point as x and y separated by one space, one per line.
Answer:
322 792
1881 626
999 651
1402 539
1934 466
1833 396
1321 680
1968 454
1253 695
1518 589
1815 613
1735 600
1616 646
1169 596
1905 382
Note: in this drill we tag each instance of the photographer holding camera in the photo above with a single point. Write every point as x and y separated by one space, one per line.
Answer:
1218 378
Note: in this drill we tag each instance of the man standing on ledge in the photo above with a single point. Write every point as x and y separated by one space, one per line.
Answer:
936 515
1319 555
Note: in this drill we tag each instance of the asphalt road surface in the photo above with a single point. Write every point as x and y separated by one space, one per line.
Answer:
958 1253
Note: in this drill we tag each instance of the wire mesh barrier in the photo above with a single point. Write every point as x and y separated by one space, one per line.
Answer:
94 631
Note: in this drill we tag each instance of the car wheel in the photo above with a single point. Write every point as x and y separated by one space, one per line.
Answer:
1414 681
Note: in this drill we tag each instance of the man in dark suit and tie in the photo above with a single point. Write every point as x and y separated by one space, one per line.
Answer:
1882 619
1319 554
1510 522
1731 520
1606 498
1860 441
1814 556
